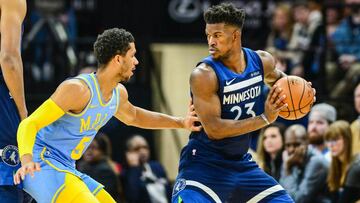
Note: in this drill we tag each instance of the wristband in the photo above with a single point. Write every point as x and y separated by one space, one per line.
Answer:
265 119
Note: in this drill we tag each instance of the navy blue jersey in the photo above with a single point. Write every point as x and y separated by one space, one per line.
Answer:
222 170
240 97
9 122
9 117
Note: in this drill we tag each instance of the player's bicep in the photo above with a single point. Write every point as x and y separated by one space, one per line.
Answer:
12 15
204 85
207 108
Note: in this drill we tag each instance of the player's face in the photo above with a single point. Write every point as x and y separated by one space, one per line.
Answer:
336 146
129 61
272 140
357 98
316 128
220 39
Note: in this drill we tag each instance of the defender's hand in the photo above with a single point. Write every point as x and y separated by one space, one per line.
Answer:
309 83
274 103
191 120
27 166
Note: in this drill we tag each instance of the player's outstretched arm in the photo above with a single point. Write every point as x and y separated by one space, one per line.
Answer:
142 118
63 100
12 16
204 86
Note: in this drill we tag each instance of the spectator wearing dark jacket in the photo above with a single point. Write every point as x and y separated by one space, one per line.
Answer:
304 172
143 180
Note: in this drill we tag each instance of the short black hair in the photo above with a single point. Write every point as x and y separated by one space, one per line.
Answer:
110 43
129 143
225 13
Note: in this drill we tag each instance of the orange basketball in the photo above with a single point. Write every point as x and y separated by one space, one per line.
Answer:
299 97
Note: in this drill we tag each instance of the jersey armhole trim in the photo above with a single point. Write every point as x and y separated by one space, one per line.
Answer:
97 89
117 99
260 63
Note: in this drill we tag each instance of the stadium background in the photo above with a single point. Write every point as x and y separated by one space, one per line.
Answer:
170 40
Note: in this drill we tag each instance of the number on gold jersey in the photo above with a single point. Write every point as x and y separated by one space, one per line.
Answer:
78 151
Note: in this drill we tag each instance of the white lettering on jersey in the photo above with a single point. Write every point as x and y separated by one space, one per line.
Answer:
242 96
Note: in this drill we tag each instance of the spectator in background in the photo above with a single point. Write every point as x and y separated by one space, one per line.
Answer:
279 37
304 171
300 38
257 23
347 43
305 39
143 180
97 163
87 62
52 39
320 117
334 15
355 125
270 148
344 175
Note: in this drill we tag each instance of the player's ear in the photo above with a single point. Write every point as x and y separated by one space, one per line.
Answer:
236 35
118 59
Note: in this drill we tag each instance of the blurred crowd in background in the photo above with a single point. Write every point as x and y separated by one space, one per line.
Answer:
313 158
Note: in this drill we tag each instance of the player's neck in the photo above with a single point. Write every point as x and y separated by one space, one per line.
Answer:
236 61
106 84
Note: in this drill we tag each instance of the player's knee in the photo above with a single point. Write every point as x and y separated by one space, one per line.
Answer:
104 197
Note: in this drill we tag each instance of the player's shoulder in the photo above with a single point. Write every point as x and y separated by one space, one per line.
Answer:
121 87
267 60
203 70
74 86
123 91
264 55
203 74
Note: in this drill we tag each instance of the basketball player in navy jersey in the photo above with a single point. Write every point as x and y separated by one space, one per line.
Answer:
12 99
226 90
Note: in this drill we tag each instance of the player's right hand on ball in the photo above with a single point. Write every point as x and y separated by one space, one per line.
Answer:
274 103
27 167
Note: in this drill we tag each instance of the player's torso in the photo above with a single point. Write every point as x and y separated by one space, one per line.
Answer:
241 97
67 139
